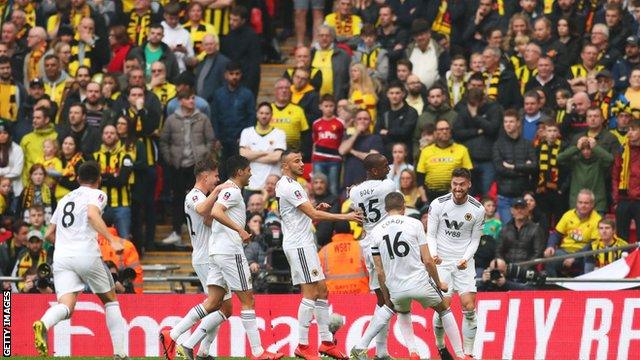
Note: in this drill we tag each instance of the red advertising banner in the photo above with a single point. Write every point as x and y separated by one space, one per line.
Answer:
515 325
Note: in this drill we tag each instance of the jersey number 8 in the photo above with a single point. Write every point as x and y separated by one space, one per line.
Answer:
398 247
67 214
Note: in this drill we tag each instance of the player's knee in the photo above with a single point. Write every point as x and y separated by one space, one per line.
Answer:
247 301
212 304
227 308
322 291
469 307
469 315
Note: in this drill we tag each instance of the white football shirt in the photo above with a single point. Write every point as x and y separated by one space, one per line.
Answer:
297 229
224 240
454 227
199 232
273 140
74 235
368 196
397 241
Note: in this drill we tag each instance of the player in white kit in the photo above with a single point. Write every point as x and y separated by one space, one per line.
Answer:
197 207
299 245
228 267
369 196
77 260
454 229
407 272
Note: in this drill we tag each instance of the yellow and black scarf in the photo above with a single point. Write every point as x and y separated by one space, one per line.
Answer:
442 22
344 26
33 70
29 198
76 15
560 115
370 60
604 103
578 70
549 172
492 83
70 169
524 74
29 13
462 86
607 258
25 263
139 27
625 169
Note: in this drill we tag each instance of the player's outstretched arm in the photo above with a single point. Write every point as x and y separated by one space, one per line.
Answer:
318 215
428 262
219 214
94 216
204 208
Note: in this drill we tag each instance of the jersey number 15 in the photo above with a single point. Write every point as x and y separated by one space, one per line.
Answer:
371 211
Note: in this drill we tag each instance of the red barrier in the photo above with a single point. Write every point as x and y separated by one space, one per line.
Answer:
517 325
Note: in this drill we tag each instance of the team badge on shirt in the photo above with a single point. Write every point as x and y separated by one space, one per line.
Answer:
195 198
314 272
226 196
298 194
468 217
101 197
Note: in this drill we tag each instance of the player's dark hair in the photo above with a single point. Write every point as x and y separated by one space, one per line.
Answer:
461 172
287 152
89 172
208 163
235 164
394 201
373 160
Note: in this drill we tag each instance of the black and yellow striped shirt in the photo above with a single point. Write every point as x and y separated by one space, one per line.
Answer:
9 102
219 18
607 258
142 132
117 163
79 50
138 27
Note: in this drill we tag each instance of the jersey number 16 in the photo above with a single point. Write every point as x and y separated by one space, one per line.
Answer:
396 247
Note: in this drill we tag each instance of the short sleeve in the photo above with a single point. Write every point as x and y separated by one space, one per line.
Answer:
561 226
421 235
56 215
375 243
422 162
194 200
466 159
230 197
244 138
281 141
98 199
295 194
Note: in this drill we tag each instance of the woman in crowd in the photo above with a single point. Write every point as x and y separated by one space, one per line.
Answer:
534 212
36 192
71 159
362 90
568 36
120 46
414 196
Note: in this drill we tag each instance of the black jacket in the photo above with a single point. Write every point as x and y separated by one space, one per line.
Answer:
509 91
243 46
89 139
526 243
400 125
549 88
168 58
518 152
465 129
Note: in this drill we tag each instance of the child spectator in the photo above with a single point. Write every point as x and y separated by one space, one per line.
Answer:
492 225
562 97
37 222
552 186
36 193
51 163
399 154
6 195
327 136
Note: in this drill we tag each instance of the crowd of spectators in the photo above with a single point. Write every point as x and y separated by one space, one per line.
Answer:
540 99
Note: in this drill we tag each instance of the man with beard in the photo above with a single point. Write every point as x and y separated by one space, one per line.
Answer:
155 50
397 123
87 137
437 108
12 94
622 68
391 37
416 94
97 111
77 92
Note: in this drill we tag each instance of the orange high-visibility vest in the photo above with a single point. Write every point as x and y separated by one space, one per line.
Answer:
128 258
344 267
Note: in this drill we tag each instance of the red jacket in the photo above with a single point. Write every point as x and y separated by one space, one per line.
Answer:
633 188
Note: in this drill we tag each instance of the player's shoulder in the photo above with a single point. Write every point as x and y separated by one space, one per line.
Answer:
440 201
473 202
194 196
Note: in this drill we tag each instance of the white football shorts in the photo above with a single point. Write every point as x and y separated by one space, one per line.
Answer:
70 274
305 265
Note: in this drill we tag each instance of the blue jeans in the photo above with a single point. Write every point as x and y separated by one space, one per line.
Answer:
121 218
504 208
482 177
332 170
555 269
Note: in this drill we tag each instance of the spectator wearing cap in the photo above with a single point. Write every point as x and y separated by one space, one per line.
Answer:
605 96
210 71
27 263
33 62
153 50
233 108
176 36
480 20
429 59
186 80
333 62
626 182
12 94
520 238
187 136
622 119
35 92
242 45
621 70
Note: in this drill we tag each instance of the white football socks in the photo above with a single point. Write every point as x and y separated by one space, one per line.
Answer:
206 326
55 314
117 327
469 327
406 329
205 345
305 315
251 328
322 317
451 328
196 313
381 317
438 331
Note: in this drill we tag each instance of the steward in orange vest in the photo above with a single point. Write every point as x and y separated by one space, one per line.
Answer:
127 259
343 263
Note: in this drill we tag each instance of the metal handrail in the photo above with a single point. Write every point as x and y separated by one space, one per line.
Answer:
160 267
576 255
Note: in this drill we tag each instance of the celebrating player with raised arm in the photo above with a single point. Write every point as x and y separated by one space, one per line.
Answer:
197 207
407 272
228 267
77 260
369 196
454 229
300 248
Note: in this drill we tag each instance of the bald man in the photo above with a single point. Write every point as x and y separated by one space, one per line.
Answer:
302 58
575 121
34 61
